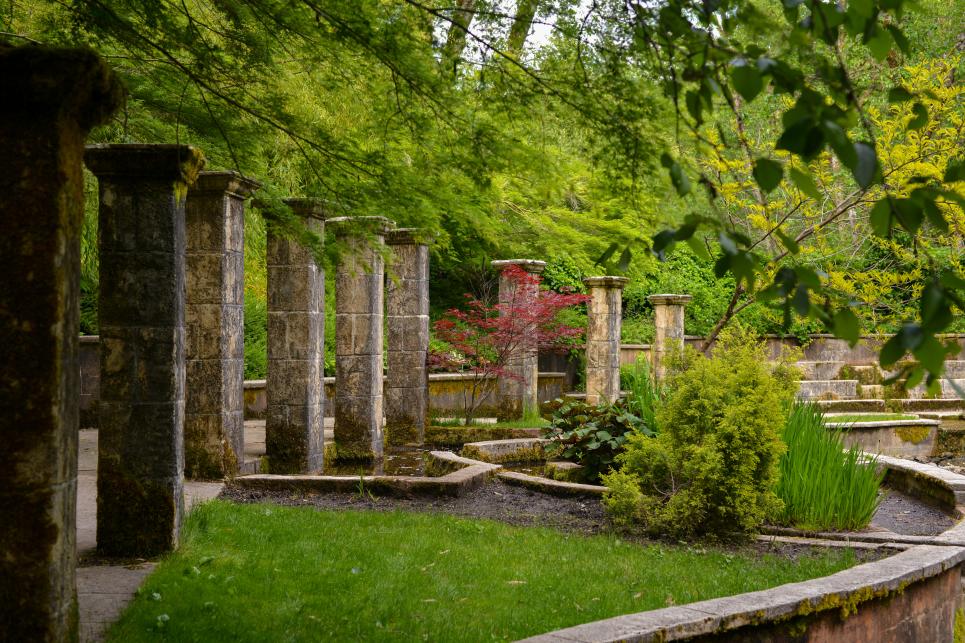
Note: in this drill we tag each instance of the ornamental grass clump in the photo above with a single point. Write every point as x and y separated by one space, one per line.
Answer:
712 469
824 486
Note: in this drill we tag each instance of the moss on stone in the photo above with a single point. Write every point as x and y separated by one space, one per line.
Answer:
959 631
913 434
522 454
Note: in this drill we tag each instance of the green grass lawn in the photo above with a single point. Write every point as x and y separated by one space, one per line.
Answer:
525 423
848 418
270 573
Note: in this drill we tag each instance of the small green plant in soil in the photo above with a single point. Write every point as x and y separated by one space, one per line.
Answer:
824 486
592 435
262 572
850 418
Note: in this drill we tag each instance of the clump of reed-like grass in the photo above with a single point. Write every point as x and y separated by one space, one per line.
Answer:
644 393
823 485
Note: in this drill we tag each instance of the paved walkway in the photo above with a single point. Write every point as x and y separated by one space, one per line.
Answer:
103 591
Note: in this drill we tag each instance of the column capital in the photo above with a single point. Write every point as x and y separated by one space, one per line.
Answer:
407 237
59 83
143 161
532 266
669 300
228 181
349 226
307 207
605 282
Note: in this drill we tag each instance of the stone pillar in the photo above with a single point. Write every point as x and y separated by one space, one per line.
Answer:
518 395
407 330
668 336
359 285
140 465
604 320
294 430
52 97
214 422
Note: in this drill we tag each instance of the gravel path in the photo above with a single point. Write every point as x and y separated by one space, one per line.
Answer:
903 514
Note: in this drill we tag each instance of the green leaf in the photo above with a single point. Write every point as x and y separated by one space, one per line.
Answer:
746 79
900 39
919 117
839 142
677 176
625 258
801 138
768 174
955 170
879 44
612 248
909 214
692 100
788 242
805 184
893 350
931 353
863 8
698 248
881 217
866 167
899 94
846 326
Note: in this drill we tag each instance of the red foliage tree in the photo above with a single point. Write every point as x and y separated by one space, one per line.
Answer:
485 338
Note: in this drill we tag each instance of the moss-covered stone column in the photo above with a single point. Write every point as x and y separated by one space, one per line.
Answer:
407 330
140 464
51 98
604 320
359 287
214 439
294 430
668 336
518 394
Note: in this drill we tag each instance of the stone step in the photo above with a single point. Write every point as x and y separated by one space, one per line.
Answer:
819 370
852 406
828 389
871 392
955 369
930 405
947 391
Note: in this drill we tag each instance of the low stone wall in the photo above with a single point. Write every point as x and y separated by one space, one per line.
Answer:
88 355
902 438
909 597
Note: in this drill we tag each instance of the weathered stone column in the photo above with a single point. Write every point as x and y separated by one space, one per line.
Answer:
294 430
518 395
140 465
668 336
214 415
51 98
407 330
604 321
359 286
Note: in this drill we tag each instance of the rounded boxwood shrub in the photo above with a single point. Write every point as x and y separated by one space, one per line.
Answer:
712 470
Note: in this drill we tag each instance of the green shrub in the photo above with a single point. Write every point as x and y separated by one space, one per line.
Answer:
256 337
591 435
712 470
823 486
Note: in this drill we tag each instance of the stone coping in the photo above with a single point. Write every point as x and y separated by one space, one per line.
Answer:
534 266
552 487
433 377
844 590
880 424
471 475
606 281
667 299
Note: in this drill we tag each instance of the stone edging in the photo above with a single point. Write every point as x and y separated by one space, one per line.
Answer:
552 487
843 592
880 424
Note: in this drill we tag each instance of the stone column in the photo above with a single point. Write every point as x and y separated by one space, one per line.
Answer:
359 281
214 439
519 394
294 430
668 336
604 320
407 330
52 97
140 465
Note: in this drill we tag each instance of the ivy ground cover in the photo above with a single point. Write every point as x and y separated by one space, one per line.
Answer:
264 572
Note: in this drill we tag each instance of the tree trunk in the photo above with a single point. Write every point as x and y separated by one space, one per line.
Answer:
525 13
456 40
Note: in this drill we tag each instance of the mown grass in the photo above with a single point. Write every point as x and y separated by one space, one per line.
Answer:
524 423
270 573
824 486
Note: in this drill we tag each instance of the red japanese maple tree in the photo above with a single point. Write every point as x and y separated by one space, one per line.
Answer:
485 338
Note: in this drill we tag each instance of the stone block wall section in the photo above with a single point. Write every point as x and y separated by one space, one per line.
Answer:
604 322
407 331
140 467
518 394
214 441
668 336
296 348
52 97
359 289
